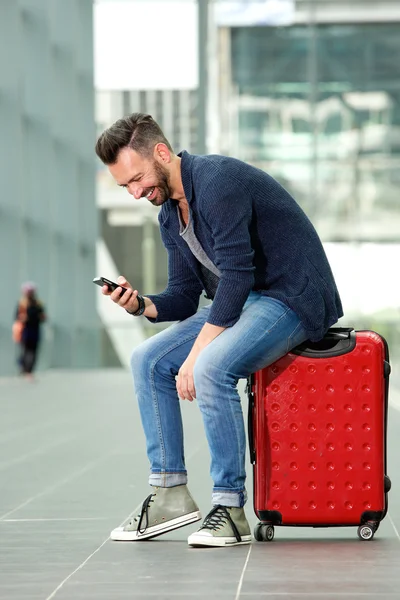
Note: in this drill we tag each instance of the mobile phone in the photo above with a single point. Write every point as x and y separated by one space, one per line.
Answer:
110 284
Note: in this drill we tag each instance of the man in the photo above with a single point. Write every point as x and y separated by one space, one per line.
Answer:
232 231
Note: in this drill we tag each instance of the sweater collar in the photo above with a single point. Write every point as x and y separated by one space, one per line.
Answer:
168 210
186 173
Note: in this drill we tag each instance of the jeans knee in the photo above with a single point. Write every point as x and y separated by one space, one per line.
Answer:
141 358
148 359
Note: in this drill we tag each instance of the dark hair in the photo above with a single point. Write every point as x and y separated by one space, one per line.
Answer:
137 131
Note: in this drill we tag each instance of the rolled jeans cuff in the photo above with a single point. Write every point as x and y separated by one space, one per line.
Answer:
166 480
233 499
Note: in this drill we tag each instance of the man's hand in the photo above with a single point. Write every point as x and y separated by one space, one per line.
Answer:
185 382
128 300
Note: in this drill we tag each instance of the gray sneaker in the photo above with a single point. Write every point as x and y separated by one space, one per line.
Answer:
164 510
223 526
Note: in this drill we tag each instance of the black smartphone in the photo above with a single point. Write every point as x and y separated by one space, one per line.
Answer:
110 284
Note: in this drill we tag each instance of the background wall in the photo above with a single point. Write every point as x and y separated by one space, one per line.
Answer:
48 215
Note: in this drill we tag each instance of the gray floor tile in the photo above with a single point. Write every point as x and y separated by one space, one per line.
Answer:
73 466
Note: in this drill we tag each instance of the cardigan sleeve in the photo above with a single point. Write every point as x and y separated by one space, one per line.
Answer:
227 208
180 299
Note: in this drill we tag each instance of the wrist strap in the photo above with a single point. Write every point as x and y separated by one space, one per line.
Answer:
142 307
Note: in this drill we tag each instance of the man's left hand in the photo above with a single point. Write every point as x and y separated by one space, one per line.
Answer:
185 381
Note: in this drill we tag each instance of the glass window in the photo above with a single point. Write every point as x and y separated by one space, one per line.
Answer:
319 108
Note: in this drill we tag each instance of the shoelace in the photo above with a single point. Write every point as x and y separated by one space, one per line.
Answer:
143 514
218 516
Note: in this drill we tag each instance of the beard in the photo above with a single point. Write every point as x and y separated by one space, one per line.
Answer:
162 185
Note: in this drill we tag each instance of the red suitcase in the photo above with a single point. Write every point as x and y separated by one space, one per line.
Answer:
317 434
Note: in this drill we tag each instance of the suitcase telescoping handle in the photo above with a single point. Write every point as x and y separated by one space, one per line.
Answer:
250 395
336 341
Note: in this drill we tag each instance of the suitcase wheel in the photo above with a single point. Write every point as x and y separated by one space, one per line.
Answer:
264 533
366 532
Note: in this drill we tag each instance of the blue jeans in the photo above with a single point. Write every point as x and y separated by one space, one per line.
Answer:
267 329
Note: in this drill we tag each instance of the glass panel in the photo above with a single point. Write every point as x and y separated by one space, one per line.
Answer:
318 108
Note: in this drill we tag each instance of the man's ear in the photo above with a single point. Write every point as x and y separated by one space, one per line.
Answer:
162 153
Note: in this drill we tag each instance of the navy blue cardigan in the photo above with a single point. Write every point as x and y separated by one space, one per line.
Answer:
258 237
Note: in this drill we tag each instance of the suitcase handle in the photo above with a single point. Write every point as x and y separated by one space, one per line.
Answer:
336 341
250 395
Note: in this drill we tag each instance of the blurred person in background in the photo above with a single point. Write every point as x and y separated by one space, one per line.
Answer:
234 232
29 316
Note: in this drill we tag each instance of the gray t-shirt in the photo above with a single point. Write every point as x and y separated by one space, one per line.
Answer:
210 272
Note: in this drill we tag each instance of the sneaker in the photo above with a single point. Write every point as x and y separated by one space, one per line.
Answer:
223 526
164 510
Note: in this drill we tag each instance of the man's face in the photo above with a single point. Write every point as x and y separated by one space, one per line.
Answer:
142 177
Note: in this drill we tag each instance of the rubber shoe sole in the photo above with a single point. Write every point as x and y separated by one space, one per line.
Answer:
200 540
120 535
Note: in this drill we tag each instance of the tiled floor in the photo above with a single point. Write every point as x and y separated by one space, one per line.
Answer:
73 466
